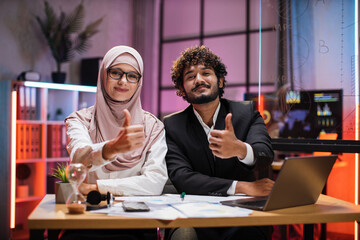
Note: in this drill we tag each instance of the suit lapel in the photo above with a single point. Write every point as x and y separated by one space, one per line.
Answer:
220 121
202 138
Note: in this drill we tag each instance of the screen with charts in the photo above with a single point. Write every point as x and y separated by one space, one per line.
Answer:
301 114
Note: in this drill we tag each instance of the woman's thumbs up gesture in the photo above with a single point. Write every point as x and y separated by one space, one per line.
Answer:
129 138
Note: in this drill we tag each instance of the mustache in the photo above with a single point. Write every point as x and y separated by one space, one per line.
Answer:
200 85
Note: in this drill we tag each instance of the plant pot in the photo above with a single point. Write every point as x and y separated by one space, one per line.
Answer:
58 77
62 191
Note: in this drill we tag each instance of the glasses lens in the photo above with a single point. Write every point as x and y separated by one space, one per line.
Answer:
116 73
132 77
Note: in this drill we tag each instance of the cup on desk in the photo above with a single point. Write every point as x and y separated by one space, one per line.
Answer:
22 191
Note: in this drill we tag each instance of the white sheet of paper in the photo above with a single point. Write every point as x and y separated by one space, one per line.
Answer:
164 212
156 212
171 206
175 198
204 209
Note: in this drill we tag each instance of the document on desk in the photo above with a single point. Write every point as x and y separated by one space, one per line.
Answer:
171 206
175 198
205 209
163 212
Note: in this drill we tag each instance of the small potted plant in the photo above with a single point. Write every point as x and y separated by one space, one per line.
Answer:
64 36
59 114
63 188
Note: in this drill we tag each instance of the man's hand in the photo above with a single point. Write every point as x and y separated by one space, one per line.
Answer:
224 144
258 188
129 138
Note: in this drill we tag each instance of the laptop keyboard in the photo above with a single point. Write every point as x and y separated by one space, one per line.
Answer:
257 204
254 203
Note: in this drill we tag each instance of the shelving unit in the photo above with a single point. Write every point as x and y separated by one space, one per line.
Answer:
39 138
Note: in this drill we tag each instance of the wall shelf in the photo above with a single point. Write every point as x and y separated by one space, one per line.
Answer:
38 138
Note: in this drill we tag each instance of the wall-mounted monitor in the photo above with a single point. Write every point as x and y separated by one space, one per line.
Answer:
301 114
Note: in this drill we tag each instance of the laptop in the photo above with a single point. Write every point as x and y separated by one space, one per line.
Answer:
300 182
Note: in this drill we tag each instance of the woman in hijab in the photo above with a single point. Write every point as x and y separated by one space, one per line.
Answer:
122 145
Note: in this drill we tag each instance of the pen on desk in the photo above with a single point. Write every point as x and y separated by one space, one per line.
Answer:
182 196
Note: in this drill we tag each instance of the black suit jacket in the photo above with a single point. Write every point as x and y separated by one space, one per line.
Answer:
191 165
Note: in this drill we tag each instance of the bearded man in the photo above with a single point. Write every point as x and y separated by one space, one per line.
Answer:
215 144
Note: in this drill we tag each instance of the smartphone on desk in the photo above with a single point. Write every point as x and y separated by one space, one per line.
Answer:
135 207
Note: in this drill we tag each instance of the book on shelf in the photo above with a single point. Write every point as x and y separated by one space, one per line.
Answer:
21 103
49 143
32 139
20 141
32 104
26 107
28 141
27 134
37 141
56 141
27 103
64 152
35 137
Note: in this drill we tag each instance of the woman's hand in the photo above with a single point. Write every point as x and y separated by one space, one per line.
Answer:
85 188
129 138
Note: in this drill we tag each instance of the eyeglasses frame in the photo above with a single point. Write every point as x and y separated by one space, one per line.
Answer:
126 75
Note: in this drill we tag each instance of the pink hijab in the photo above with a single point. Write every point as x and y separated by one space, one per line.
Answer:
107 118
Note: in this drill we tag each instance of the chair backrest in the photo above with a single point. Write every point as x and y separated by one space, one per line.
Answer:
169 188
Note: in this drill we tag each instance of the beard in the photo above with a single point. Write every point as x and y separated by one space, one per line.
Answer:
190 98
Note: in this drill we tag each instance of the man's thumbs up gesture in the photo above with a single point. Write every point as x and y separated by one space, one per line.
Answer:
224 143
129 138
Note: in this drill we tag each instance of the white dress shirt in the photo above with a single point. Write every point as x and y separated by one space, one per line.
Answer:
249 158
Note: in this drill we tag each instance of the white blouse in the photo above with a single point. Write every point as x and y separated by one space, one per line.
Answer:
146 178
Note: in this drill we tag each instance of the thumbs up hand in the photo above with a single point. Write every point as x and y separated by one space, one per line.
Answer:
130 137
224 144
228 123
127 120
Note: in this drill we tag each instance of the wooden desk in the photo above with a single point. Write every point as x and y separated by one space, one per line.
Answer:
51 216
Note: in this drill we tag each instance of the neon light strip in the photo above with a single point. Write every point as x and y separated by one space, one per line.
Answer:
259 101
58 86
356 62
356 79
13 160
356 166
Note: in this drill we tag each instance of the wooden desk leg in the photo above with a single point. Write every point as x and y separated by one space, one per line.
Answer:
308 232
53 234
323 231
37 234
284 232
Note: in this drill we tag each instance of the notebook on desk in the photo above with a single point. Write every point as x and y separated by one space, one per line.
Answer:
300 182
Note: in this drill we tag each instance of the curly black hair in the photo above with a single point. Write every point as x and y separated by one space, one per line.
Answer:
193 56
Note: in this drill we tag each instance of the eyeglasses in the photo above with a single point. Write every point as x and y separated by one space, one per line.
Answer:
117 73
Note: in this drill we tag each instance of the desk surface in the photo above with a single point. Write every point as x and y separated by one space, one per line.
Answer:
48 215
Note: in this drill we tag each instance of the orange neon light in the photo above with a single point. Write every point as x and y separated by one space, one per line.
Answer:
261 105
356 155
356 81
13 160
356 167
